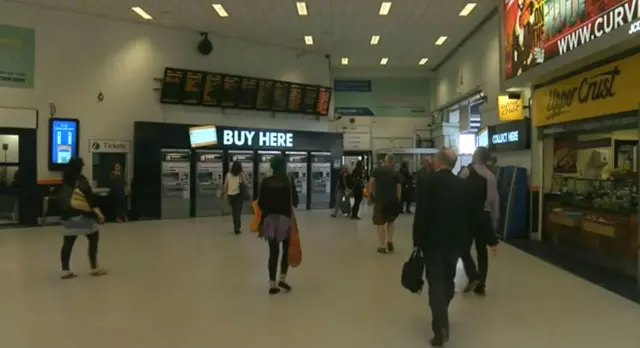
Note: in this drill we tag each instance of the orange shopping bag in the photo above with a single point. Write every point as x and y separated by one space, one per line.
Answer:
295 248
254 225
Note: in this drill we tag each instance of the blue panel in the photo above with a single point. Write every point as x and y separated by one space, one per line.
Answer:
352 85
64 140
353 111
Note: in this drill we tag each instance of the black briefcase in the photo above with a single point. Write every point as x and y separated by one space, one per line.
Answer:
413 273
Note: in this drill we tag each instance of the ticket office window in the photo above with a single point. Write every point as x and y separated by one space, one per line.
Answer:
103 164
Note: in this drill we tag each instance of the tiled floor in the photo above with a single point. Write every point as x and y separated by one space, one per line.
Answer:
192 284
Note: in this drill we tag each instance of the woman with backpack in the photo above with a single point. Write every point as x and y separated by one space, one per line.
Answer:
80 216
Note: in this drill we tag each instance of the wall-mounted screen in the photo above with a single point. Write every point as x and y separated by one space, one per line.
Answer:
510 136
483 137
63 141
203 136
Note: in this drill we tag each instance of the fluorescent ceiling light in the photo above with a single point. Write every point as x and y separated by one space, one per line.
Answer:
423 61
375 39
142 13
302 8
221 11
385 7
384 61
344 61
308 39
467 9
441 40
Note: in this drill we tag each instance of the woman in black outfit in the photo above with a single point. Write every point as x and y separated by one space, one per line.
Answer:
80 216
118 193
278 198
407 186
342 190
357 184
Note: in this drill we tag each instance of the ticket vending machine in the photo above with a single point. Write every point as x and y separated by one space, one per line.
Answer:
175 198
297 170
209 180
320 180
246 160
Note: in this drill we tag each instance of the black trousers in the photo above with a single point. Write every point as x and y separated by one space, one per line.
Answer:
357 199
235 201
67 248
274 255
478 273
440 267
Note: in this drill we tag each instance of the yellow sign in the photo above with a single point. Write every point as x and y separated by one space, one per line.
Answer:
606 90
509 109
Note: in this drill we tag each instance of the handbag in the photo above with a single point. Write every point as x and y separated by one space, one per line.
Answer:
413 273
345 205
294 257
254 225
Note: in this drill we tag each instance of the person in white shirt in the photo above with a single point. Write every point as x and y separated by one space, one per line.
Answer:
233 186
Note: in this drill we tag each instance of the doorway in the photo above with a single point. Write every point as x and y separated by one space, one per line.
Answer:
18 188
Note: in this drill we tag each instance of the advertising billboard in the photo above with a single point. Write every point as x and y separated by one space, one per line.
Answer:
536 31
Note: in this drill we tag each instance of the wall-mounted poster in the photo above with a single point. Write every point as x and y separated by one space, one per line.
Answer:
536 31
565 156
17 56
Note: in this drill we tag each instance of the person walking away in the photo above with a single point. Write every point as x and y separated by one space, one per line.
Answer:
440 231
407 187
278 198
80 216
118 193
342 190
386 189
485 214
232 182
357 184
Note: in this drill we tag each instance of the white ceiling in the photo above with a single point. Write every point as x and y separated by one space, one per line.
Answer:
341 28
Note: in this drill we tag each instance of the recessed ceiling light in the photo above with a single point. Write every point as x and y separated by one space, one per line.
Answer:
423 61
375 39
301 6
221 11
441 40
384 61
385 7
308 39
142 13
344 61
467 9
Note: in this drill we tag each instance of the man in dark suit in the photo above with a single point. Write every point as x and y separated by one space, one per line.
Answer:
440 231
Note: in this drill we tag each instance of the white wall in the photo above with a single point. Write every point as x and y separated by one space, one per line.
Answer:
386 132
78 56
475 65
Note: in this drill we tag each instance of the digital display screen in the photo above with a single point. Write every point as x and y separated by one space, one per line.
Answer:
265 95
309 100
483 138
324 101
212 90
230 91
203 136
295 97
248 93
192 88
280 96
172 82
63 141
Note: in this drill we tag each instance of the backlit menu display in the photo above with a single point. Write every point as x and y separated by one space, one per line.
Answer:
172 86
295 97
309 100
192 88
248 93
280 96
230 91
63 141
324 100
212 90
265 95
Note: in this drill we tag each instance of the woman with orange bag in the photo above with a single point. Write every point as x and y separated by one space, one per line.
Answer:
277 199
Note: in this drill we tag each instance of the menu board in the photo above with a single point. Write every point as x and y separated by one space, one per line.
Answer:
230 91
212 90
309 100
248 93
172 86
192 88
265 94
324 99
295 97
280 96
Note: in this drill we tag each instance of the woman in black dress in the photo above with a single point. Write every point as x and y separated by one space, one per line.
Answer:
357 185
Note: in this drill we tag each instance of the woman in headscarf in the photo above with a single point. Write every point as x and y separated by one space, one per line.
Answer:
278 198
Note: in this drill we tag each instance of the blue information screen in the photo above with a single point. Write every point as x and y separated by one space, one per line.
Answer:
64 140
